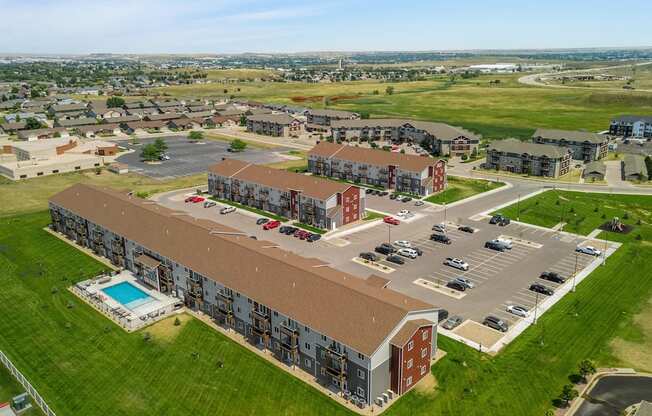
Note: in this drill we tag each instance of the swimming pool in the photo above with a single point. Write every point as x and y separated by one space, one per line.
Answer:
128 295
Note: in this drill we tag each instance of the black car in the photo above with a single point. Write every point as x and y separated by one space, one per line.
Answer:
494 246
539 288
290 230
368 256
442 314
393 258
552 277
456 285
440 238
466 229
261 221
406 199
389 247
383 250
283 228
495 323
393 196
384 193
368 191
313 237
505 221
496 219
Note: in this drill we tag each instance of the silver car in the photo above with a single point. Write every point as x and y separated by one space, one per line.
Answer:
464 282
518 310
452 322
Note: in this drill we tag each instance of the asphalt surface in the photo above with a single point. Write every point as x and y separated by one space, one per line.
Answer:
613 394
187 158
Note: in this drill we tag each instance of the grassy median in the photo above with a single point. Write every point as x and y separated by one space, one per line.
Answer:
460 188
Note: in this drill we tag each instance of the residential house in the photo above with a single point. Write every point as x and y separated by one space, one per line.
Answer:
634 168
75 122
104 129
39 134
123 119
163 117
183 123
140 127
631 126
142 112
515 156
585 146
278 125
595 170
14 127
418 175
68 111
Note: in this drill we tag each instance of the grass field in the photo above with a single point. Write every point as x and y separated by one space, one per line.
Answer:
32 194
460 188
9 388
494 110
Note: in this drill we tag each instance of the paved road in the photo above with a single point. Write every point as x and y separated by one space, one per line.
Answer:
613 394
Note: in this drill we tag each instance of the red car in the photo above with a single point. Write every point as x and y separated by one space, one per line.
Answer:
303 235
271 225
197 199
391 220
189 199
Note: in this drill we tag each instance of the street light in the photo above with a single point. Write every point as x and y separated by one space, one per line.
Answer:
389 233
575 274
536 307
518 208
444 213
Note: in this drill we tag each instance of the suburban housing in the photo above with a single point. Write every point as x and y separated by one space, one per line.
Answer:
279 125
352 335
631 126
584 145
634 167
417 175
441 138
536 159
314 201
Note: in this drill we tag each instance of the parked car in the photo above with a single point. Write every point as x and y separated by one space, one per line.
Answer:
313 237
456 263
418 250
393 196
384 193
261 221
464 282
189 199
227 210
393 258
368 191
197 200
442 314
403 243
440 238
539 288
518 310
283 229
403 213
418 203
499 219
391 220
389 246
304 235
452 322
441 228
209 204
466 229
456 286
507 243
164 157
494 245
368 256
552 277
590 250
383 250
495 323
408 252
406 199
270 225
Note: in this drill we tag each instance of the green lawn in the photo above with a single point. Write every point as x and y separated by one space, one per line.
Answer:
9 388
309 227
460 188
582 212
372 215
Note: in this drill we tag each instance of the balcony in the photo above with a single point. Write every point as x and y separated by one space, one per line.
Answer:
335 363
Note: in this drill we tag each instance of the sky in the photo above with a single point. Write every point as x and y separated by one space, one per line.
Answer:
233 26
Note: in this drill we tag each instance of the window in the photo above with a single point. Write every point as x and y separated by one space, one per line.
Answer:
409 363
424 335
360 356
25 176
240 324
410 345
360 392
424 352
55 171
276 329
77 167
39 174
408 381
308 363
361 374
307 346
423 369
275 313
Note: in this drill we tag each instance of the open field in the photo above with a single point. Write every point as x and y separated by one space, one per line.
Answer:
85 365
32 194
460 188
494 110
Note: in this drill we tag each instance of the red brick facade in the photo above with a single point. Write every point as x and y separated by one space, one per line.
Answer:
438 173
411 362
350 202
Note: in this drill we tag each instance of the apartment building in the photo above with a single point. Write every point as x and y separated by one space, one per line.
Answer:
417 175
314 201
512 155
441 138
352 335
324 117
631 126
278 125
585 146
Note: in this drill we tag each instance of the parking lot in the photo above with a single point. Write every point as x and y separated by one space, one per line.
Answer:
187 158
499 279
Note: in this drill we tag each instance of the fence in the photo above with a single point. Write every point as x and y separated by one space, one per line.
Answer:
26 385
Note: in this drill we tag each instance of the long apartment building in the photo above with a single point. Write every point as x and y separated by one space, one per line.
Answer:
324 117
277 125
417 175
631 126
584 146
515 156
441 138
352 335
314 201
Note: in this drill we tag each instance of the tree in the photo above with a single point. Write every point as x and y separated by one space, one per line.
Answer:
364 115
238 145
586 368
389 90
115 102
160 145
32 124
196 136
149 153
568 393
243 120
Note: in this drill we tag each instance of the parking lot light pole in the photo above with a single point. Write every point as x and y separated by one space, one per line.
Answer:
536 307
389 233
518 208
444 214
604 253
575 274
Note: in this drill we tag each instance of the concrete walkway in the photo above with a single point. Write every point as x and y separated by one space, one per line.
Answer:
614 176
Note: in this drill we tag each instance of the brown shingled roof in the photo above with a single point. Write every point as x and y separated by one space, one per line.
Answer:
405 333
310 186
333 303
372 156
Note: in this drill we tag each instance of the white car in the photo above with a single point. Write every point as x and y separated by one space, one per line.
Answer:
507 243
403 213
408 252
517 310
418 203
441 228
227 210
456 263
403 243
592 251
464 282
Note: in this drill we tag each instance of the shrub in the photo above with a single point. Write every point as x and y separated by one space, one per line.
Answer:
177 321
147 336
465 157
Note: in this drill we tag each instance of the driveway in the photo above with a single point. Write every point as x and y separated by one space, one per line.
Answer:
613 394
614 176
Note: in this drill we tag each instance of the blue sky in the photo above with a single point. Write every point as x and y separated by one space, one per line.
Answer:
228 26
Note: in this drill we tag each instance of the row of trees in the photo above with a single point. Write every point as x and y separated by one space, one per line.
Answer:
568 393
